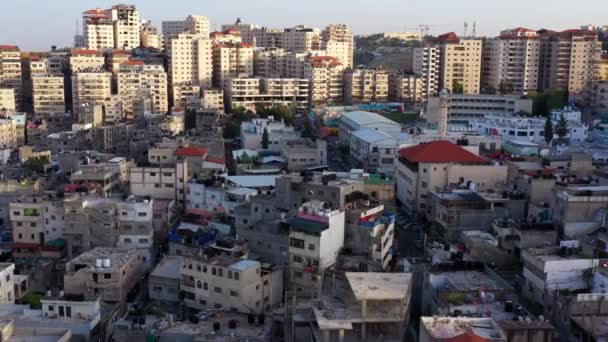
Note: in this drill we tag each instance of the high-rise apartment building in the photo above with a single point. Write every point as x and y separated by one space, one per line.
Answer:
86 60
10 71
117 27
190 64
249 92
173 27
460 63
510 61
229 36
406 87
325 74
568 59
197 24
365 85
338 41
300 38
425 64
7 100
150 38
90 88
231 60
48 94
246 30
134 77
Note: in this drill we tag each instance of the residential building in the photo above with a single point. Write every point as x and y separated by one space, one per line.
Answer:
326 78
150 38
28 152
405 87
245 30
252 131
7 100
231 60
365 85
28 222
110 273
511 62
86 61
135 226
133 78
98 29
48 94
353 121
173 27
463 108
303 153
7 281
316 236
426 64
374 150
338 42
434 329
10 71
300 38
438 164
598 90
228 36
250 93
163 282
579 210
127 27
568 59
215 279
189 64
460 64
197 25
107 177
90 115
91 88
111 138
8 134
160 182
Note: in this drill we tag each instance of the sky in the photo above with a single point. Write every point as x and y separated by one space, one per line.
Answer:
35 26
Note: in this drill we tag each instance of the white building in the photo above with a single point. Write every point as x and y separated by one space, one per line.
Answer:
354 121
464 107
160 182
138 80
374 149
252 131
7 281
315 239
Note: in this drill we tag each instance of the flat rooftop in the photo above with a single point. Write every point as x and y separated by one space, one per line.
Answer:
118 257
379 286
203 330
466 281
450 327
168 267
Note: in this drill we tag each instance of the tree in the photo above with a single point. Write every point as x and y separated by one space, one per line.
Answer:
561 129
308 132
265 139
548 130
505 87
457 87
36 164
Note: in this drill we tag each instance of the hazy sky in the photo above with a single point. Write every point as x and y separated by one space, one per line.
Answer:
38 24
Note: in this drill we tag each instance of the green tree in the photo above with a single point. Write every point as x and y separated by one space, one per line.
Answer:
265 139
561 129
457 87
548 130
505 87
308 132
36 164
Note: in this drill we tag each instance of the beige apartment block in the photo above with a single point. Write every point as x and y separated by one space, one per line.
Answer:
10 71
189 62
150 38
568 59
460 63
90 87
7 100
338 41
425 63
86 60
246 30
229 36
213 98
300 38
135 77
266 37
269 62
173 27
110 273
115 59
326 78
249 92
8 134
404 87
48 94
127 26
198 25
365 85
602 68
98 29
231 60
511 61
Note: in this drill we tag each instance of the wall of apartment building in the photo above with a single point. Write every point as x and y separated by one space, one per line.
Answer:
164 182
28 221
7 283
511 63
7 100
189 61
362 85
89 225
461 62
90 87
148 81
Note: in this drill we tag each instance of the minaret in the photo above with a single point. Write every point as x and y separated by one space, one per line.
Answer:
442 124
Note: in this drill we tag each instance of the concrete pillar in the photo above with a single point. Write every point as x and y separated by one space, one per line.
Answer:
325 335
363 331
363 315
341 336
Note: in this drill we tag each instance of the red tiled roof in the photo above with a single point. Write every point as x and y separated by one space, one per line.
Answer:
134 62
216 160
439 151
245 45
468 336
9 47
522 29
449 37
191 151
77 52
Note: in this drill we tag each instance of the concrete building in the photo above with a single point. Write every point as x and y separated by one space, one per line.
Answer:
568 59
434 329
160 182
303 153
460 64
8 134
110 273
337 40
127 27
214 279
7 100
48 94
554 269
316 237
351 122
406 87
598 95
300 38
86 61
326 78
228 36
374 150
426 64
250 93
580 210
10 71
98 28
231 60
173 27
463 108
245 30
136 227
28 222
150 38
134 77
7 281
435 165
511 61
365 85
189 64
90 88
252 131
163 282
198 25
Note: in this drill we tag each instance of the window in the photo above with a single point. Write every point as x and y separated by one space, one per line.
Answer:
61 311
234 293
311 246
297 275
107 276
217 289
16 213
199 284
297 259
205 286
220 272
142 214
51 308
202 302
236 275
297 243
229 274
213 271
68 311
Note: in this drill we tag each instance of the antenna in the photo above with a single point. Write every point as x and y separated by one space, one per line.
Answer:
466 28
474 29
